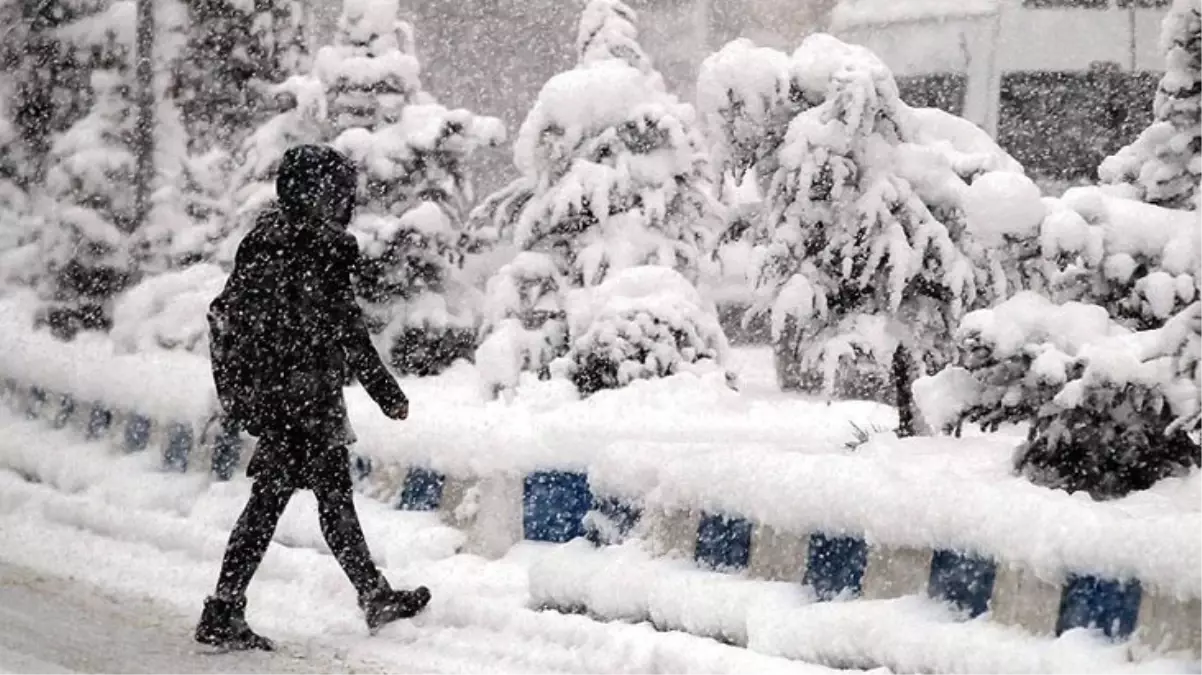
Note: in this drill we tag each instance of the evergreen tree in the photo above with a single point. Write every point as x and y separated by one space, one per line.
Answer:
300 117
863 244
1164 165
615 176
413 154
236 51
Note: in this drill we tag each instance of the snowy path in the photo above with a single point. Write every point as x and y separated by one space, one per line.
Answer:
104 562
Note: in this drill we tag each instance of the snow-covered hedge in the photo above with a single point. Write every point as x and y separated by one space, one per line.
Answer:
1111 411
167 311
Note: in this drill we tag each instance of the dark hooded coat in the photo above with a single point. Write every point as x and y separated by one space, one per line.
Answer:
291 292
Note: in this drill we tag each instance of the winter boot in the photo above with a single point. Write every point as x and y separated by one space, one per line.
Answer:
223 624
384 605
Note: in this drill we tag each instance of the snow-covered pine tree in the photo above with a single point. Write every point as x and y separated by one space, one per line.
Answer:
614 176
84 245
299 103
865 247
1163 165
414 158
236 50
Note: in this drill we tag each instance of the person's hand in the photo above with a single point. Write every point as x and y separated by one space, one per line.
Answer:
399 411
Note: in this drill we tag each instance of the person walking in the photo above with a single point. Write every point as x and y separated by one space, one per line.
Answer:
286 334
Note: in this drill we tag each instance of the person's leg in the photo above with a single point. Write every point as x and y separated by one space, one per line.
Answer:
340 525
250 538
223 621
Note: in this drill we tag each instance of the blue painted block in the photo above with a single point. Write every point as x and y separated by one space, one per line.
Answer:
361 467
137 433
1108 604
35 402
99 421
965 580
554 504
66 408
835 565
227 450
179 446
422 491
621 515
723 543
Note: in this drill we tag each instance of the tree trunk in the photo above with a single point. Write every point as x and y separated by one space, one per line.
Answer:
786 352
144 134
903 379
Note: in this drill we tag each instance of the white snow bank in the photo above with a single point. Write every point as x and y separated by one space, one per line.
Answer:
165 385
167 311
938 492
911 634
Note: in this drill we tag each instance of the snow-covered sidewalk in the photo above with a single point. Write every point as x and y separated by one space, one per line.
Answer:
73 510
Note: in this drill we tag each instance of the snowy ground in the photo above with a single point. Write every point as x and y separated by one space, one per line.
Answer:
104 563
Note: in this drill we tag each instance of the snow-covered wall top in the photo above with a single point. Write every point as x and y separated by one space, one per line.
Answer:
853 13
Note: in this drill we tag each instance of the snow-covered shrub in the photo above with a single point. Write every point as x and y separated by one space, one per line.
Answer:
864 244
642 323
1110 411
414 158
614 170
167 311
1164 164
1142 263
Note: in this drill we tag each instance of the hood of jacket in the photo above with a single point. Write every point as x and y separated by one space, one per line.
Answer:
316 187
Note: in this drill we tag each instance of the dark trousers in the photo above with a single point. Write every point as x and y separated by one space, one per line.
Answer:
339 524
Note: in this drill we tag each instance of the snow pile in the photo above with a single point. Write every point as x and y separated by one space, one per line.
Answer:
865 202
1164 164
167 311
643 323
614 177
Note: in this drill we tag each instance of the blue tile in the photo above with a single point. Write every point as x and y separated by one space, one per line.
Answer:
554 504
835 565
99 421
179 446
422 491
621 515
137 433
1090 602
65 409
35 402
965 580
227 450
723 543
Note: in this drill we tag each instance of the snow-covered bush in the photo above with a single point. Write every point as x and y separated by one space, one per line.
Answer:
167 311
864 243
642 323
414 157
1142 263
614 172
1164 164
1110 411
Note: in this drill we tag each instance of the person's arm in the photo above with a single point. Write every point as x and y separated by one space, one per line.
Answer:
355 339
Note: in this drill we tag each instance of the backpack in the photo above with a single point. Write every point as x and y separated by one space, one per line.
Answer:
236 360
